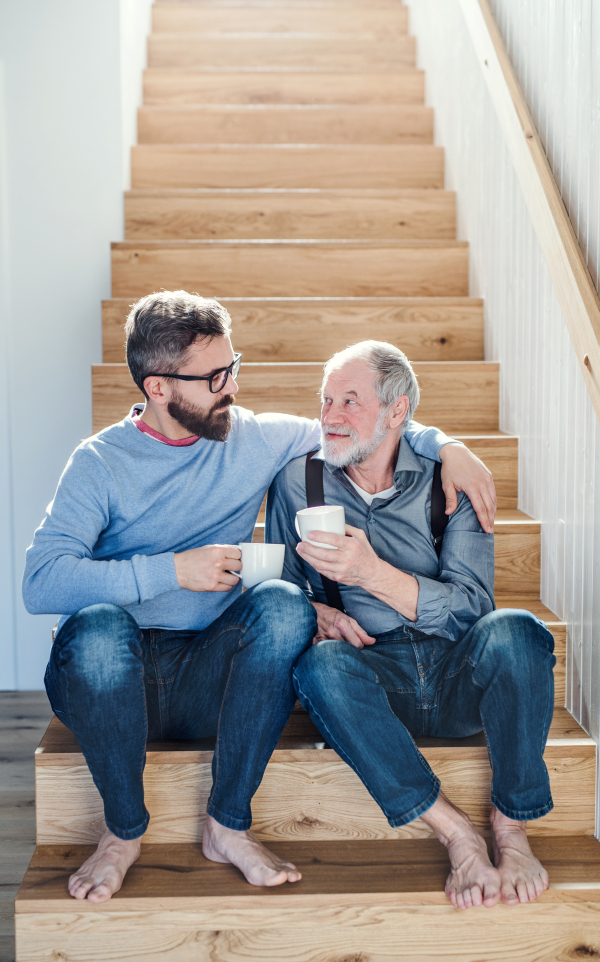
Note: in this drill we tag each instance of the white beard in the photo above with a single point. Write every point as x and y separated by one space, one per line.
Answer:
358 451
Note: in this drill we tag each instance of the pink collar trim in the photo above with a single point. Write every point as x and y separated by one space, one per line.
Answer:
181 443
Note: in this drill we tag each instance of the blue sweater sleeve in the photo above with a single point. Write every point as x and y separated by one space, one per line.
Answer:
426 441
61 574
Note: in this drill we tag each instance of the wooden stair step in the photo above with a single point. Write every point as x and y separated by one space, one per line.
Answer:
302 268
231 86
284 50
319 18
380 900
287 165
292 389
305 213
307 791
290 329
285 124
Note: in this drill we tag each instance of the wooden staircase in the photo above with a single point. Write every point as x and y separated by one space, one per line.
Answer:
285 165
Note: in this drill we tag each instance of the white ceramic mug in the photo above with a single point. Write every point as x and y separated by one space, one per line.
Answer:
329 518
260 562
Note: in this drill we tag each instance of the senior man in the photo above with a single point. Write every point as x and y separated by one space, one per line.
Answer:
139 553
414 646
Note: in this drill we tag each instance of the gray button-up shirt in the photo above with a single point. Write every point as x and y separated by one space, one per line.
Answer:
454 591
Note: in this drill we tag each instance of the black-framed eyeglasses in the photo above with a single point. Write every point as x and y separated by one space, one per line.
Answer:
216 381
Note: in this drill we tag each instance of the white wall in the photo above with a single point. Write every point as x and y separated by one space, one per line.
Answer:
71 76
555 51
543 397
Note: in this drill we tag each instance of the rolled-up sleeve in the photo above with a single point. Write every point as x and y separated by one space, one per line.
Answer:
463 591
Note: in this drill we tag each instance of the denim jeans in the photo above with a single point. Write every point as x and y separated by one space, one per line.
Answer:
117 686
371 703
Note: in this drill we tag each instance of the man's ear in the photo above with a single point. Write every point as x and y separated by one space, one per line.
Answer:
155 389
398 411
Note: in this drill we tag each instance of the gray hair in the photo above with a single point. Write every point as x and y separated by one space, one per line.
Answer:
394 375
162 327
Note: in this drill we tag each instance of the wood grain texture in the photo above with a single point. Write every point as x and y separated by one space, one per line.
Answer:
403 872
180 86
319 18
285 124
293 389
280 52
292 269
501 455
307 792
233 214
383 935
285 329
517 563
298 165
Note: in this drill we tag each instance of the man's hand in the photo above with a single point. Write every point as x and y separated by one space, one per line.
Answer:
209 568
354 563
462 471
335 624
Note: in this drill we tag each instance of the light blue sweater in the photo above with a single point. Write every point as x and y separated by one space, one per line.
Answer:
126 503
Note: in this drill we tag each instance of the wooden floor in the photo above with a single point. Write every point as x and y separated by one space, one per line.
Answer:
24 716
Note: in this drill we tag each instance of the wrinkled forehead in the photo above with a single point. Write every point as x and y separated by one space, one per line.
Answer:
355 376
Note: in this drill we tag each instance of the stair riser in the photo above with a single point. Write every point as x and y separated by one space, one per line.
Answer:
178 87
326 166
317 53
301 330
304 795
265 270
285 125
426 215
187 19
352 929
294 391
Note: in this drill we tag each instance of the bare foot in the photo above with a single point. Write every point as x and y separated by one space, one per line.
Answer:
473 880
522 877
103 873
243 849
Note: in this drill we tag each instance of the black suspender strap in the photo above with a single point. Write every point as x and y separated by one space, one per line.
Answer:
315 497
439 518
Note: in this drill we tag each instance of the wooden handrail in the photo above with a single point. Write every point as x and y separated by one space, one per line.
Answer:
564 259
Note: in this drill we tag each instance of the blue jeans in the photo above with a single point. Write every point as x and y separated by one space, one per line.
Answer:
371 703
117 686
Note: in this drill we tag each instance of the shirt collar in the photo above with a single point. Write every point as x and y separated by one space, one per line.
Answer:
407 461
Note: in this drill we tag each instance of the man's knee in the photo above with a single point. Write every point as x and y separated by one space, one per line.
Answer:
323 668
287 619
511 635
98 642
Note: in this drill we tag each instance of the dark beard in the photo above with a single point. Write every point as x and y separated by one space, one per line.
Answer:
213 425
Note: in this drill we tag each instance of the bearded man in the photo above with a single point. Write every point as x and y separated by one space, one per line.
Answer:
139 553
411 645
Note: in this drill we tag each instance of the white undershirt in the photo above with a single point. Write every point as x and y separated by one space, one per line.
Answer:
369 498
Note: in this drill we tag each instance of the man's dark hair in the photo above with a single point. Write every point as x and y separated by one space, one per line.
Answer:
162 327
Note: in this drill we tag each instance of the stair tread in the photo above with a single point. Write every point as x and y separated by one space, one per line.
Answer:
424 193
400 301
59 740
172 874
326 243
